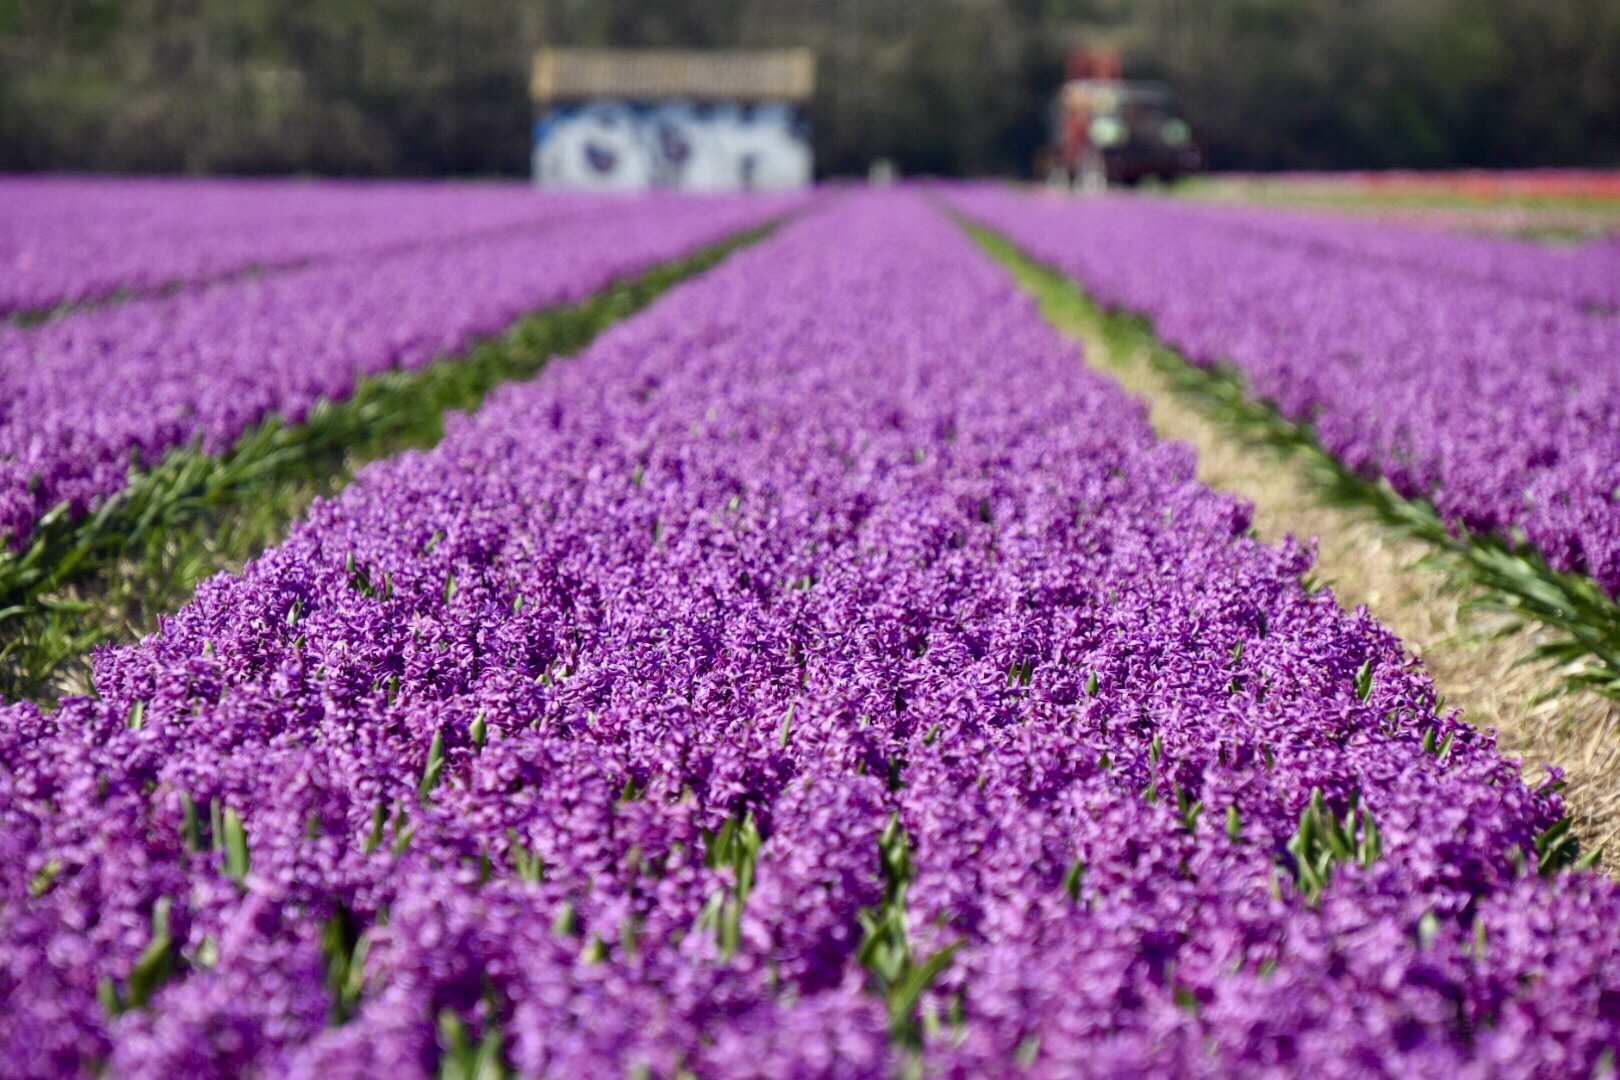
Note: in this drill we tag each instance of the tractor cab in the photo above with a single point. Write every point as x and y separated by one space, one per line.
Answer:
1107 131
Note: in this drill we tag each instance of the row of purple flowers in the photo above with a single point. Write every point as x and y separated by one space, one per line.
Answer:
1486 386
89 394
71 239
825 670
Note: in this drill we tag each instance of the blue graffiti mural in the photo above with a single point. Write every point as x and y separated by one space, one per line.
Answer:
615 145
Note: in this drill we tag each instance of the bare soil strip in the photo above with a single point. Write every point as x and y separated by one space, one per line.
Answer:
1480 662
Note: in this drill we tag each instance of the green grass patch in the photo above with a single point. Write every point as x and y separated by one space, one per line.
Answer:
108 576
1509 575
28 318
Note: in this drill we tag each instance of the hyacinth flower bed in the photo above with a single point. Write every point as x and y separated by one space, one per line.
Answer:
84 582
1473 414
66 240
824 674
1503 409
1584 276
93 393
91 574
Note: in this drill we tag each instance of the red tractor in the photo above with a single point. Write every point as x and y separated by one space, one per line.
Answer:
1108 131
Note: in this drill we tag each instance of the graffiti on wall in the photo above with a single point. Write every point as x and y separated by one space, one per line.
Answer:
618 146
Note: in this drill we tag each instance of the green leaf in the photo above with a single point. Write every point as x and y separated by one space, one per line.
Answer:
433 769
1322 840
1189 808
1557 848
1364 680
155 965
903 998
44 878
112 1002
402 840
236 848
344 949
1072 879
379 819
190 825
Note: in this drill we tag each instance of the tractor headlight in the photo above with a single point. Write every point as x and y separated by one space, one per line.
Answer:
1107 131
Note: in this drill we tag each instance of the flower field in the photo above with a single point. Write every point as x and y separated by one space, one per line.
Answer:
69 240
1462 387
134 380
822 674
1424 361
1560 204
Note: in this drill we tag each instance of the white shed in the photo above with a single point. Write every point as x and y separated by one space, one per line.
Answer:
623 119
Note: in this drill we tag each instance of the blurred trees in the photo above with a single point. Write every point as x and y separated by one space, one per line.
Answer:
1377 83
943 86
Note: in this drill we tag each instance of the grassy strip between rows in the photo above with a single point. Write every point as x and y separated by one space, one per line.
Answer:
1511 576
28 318
107 576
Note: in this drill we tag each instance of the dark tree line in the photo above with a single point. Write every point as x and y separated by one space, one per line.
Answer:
940 86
